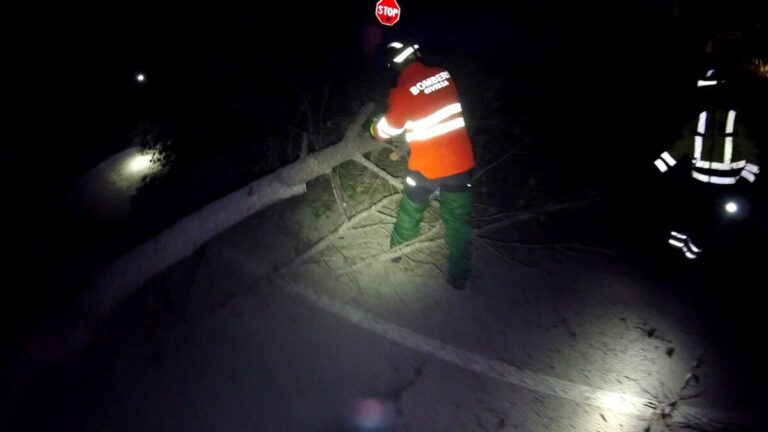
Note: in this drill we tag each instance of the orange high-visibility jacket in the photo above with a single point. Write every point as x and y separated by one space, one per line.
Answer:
425 105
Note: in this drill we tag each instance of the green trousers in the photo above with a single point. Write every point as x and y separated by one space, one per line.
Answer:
455 213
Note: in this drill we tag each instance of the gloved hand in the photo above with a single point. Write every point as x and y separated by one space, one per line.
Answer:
743 177
369 125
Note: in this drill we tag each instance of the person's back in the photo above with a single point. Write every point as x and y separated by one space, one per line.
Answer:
439 141
425 108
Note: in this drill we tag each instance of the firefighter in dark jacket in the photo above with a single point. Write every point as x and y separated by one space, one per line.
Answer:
424 107
723 163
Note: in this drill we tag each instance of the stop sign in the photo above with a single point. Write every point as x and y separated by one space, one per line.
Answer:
388 12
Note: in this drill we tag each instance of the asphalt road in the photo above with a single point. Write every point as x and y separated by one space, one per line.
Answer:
555 338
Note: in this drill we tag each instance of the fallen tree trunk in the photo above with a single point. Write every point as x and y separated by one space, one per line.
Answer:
67 333
127 274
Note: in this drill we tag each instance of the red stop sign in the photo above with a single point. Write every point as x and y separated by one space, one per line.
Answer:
388 12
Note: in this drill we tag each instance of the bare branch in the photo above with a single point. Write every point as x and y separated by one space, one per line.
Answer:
338 194
423 241
371 189
369 226
425 263
491 216
321 122
320 245
546 245
394 253
308 111
375 168
502 159
666 410
304 146
506 257
521 216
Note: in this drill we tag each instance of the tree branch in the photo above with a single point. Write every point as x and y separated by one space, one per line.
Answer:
506 257
394 253
338 193
422 242
502 159
124 276
521 216
546 245
346 226
375 168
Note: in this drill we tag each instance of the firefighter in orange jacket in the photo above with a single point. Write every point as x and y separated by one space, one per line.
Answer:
424 106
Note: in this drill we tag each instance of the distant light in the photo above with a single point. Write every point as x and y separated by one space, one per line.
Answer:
140 162
140 77
731 207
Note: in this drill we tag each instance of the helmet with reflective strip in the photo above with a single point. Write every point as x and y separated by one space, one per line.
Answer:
712 89
713 77
401 54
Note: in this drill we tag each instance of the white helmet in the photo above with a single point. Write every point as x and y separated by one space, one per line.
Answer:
400 54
